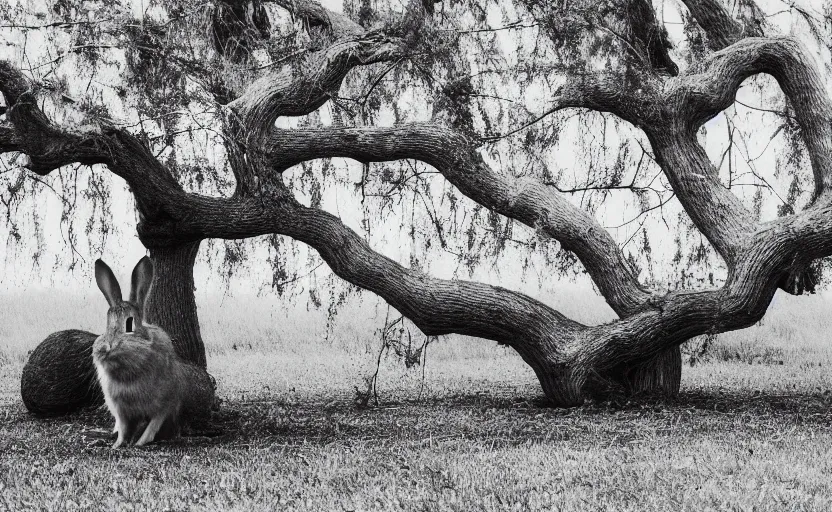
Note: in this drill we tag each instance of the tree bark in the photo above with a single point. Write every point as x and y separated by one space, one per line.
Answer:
658 376
721 28
661 375
171 304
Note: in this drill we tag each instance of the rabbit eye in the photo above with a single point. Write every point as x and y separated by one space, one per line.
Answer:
129 327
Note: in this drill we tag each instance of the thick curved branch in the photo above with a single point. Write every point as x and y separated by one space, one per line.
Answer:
316 17
771 253
48 147
12 83
649 35
707 90
562 353
9 140
526 199
714 209
294 92
297 92
722 30
632 96
711 88
436 306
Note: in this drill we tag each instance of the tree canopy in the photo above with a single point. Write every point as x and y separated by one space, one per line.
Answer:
657 147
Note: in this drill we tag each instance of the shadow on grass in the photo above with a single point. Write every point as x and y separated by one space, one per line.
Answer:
471 418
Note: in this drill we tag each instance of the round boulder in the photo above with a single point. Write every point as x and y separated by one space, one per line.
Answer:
59 377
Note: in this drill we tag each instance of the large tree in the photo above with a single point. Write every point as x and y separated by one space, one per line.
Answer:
253 64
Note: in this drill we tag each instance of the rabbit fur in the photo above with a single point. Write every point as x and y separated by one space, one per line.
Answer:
139 372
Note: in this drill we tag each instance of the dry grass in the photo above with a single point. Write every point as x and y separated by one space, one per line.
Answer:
471 452
747 432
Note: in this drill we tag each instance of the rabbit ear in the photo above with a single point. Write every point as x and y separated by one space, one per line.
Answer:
141 280
107 283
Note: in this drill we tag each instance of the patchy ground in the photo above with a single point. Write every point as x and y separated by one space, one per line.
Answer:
752 430
466 452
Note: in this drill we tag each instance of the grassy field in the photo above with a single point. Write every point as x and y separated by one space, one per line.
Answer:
752 429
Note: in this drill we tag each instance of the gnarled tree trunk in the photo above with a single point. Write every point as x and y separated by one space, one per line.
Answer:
171 304
659 376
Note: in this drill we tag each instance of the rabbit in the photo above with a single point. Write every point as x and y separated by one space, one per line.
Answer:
139 372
